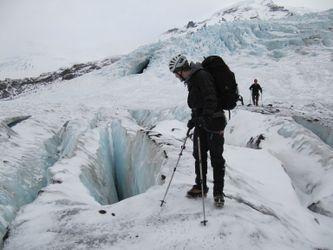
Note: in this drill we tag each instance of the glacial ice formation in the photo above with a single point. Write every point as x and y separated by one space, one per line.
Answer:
325 132
90 163
22 177
112 162
306 159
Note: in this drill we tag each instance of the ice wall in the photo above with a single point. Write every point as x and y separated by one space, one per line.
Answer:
89 158
273 38
23 172
126 163
137 160
111 160
93 162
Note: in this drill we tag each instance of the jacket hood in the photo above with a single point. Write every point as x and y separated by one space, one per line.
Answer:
194 68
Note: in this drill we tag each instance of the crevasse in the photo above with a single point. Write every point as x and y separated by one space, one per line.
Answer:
105 163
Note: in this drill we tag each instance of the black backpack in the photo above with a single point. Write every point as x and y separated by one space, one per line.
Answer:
225 82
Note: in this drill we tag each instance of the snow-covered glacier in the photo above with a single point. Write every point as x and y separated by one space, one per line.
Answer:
87 166
112 162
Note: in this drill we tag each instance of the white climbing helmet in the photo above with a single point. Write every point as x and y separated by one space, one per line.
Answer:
177 62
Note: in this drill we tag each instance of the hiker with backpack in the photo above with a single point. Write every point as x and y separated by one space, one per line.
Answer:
255 88
208 121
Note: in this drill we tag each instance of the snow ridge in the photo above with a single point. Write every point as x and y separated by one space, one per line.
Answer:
245 10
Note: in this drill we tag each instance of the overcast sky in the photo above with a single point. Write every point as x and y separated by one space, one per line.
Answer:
97 26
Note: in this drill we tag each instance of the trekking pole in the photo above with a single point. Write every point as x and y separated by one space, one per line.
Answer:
202 188
262 104
174 170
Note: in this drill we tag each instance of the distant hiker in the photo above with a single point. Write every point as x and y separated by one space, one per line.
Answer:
209 123
255 88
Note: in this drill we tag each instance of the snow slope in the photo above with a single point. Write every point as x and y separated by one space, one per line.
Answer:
244 10
104 141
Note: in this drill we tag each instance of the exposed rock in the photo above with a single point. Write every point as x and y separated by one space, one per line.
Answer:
5 237
13 87
317 208
12 121
229 11
174 30
274 7
68 77
4 94
3 86
254 142
191 24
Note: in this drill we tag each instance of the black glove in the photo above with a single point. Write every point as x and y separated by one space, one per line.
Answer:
191 124
200 122
206 122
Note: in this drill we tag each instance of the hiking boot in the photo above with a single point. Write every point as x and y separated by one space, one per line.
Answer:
219 200
195 191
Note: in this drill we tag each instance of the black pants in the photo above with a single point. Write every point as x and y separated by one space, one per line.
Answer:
214 144
255 99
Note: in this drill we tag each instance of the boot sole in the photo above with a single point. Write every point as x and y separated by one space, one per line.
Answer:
195 196
219 205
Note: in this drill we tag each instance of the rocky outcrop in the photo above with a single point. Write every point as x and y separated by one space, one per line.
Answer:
12 87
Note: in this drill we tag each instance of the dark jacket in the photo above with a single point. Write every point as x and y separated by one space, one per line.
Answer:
255 89
202 98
